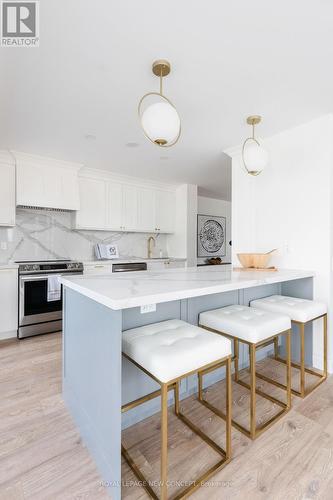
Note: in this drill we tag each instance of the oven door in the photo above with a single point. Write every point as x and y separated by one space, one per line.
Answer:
33 304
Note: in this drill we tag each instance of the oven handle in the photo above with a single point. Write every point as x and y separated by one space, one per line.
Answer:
45 276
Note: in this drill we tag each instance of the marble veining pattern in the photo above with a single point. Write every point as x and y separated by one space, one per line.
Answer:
141 288
44 235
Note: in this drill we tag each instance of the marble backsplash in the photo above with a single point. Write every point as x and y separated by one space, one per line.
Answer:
45 235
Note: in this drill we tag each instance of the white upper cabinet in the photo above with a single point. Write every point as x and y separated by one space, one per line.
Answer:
124 204
146 210
44 182
7 190
114 208
93 211
130 208
165 211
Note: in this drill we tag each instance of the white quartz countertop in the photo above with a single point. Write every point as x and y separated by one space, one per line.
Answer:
127 290
5 265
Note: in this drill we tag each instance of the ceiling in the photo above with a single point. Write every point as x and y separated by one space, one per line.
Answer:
75 98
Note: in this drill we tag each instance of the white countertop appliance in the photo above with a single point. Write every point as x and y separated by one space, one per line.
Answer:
40 303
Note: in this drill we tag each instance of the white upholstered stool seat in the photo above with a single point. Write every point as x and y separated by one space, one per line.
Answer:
301 310
257 328
246 323
173 348
169 352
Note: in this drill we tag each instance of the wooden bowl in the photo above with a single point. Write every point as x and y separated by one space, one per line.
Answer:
254 260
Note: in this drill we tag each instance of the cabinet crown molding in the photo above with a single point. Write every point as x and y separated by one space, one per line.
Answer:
96 173
6 157
44 161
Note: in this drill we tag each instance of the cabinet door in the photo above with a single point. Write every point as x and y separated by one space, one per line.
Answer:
130 208
7 195
146 210
115 206
53 197
8 301
97 269
30 185
175 264
165 211
69 197
93 204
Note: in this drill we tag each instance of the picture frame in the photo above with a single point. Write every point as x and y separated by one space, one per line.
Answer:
211 236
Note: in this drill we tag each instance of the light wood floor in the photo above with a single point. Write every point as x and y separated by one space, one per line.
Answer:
42 457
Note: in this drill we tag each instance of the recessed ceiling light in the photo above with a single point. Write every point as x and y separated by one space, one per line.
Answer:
132 144
90 137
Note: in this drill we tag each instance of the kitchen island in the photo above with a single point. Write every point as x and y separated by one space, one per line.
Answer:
96 381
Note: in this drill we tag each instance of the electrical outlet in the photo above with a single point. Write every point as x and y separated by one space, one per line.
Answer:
3 245
148 308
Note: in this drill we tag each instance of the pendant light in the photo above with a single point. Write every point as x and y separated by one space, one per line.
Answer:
255 157
158 116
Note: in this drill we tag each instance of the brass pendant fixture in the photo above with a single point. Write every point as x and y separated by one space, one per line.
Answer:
254 156
159 119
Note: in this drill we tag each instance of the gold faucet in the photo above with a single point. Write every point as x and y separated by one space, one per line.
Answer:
150 241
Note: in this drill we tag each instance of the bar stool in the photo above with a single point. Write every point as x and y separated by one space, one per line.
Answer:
301 312
257 329
168 352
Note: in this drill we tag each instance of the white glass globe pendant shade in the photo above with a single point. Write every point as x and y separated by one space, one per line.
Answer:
255 157
161 123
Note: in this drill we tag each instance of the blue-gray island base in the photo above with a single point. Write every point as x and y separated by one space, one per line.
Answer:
96 381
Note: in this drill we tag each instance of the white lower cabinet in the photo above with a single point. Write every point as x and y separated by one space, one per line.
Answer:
8 303
7 194
158 265
97 268
175 264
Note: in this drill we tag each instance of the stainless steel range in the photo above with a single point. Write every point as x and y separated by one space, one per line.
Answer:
40 297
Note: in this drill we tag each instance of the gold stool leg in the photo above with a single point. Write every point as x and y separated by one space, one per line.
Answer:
288 365
164 441
276 347
176 394
228 410
253 391
236 356
200 392
325 345
302 360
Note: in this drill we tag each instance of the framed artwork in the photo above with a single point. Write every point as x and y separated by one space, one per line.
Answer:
211 236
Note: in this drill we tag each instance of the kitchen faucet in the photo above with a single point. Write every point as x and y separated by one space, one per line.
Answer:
150 244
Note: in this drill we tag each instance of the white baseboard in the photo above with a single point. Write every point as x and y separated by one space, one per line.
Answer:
8 335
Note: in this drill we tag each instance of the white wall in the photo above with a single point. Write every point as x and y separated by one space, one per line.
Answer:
289 207
221 208
182 243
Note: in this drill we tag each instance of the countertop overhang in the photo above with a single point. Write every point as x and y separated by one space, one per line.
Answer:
123 291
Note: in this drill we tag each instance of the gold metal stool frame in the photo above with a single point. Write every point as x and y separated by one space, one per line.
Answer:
163 392
322 375
255 430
